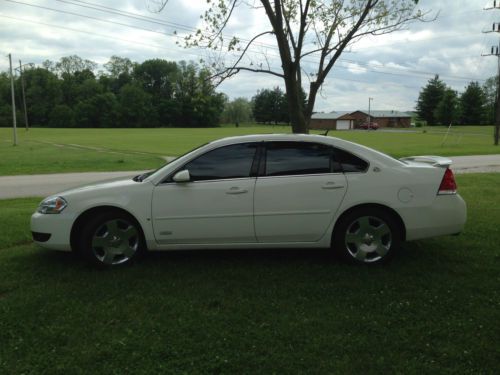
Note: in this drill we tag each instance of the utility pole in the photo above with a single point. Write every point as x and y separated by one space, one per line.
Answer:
370 110
24 96
13 101
495 52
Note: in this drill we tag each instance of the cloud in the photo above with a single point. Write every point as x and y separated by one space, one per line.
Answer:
390 68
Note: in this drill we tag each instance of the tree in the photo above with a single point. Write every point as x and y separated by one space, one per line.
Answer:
270 106
472 103
78 86
237 111
87 89
490 94
429 98
117 66
302 29
43 93
199 105
159 78
5 115
136 108
99 111
73 64
447 110
49 65
5 107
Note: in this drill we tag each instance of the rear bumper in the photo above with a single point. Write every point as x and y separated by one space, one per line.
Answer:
446 216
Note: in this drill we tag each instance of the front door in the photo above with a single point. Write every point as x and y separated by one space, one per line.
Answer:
216 206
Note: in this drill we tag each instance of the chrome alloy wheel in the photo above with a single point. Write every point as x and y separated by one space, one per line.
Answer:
368 239
115 242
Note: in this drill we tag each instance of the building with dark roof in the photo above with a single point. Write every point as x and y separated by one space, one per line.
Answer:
353 119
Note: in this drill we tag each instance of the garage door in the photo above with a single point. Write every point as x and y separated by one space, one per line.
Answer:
343 124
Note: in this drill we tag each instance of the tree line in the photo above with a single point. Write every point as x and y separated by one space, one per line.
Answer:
155 93
439 104
161 93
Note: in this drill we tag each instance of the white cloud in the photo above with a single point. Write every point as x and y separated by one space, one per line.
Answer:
356 68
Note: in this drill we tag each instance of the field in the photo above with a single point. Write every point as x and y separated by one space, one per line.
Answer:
77 150
434 309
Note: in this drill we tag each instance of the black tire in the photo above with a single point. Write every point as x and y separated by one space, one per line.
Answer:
110 239
367 236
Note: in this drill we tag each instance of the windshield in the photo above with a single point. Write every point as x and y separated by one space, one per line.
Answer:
143 176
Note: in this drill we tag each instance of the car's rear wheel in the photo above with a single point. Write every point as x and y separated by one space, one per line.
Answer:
367 235
111 239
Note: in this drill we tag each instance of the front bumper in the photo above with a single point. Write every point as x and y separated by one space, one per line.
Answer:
57 225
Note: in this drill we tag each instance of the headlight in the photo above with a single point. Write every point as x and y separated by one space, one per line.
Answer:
53 205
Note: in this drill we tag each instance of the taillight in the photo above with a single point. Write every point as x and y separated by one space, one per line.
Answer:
448 184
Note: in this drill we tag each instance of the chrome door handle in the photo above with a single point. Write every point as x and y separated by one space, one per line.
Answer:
331 186
236 190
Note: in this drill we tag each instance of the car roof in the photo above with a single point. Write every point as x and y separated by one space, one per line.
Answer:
274 137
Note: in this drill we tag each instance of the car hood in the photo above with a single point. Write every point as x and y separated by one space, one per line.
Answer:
101 186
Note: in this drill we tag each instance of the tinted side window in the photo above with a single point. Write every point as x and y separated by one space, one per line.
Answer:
233 161
294 158
350 162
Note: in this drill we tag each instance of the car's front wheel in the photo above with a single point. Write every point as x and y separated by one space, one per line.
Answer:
111 238
367 235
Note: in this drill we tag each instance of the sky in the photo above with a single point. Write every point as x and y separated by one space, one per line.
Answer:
391 69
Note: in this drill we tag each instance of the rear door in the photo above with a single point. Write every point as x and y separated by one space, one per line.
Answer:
297 193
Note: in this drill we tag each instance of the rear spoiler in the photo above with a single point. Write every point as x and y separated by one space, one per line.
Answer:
437 161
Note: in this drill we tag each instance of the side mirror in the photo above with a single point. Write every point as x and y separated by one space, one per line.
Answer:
182 176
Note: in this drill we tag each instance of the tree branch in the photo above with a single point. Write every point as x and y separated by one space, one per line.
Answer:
248 45
229 72
224 22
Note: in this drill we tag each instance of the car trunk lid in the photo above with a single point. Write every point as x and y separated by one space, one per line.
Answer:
436 161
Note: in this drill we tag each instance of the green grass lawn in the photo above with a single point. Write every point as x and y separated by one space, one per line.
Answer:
434 309
60 150
31 157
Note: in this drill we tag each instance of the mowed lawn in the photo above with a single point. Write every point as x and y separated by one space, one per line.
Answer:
435 309
76 150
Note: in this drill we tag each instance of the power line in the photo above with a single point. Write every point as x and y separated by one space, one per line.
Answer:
116 11
149 19
140 17
199 56
91 17
95 34
111 10
370 66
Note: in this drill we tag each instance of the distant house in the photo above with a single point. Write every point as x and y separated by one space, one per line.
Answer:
353 119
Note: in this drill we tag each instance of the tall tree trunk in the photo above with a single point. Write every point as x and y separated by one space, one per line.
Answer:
295 104
313 91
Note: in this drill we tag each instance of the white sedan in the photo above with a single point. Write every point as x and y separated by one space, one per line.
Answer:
260 191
